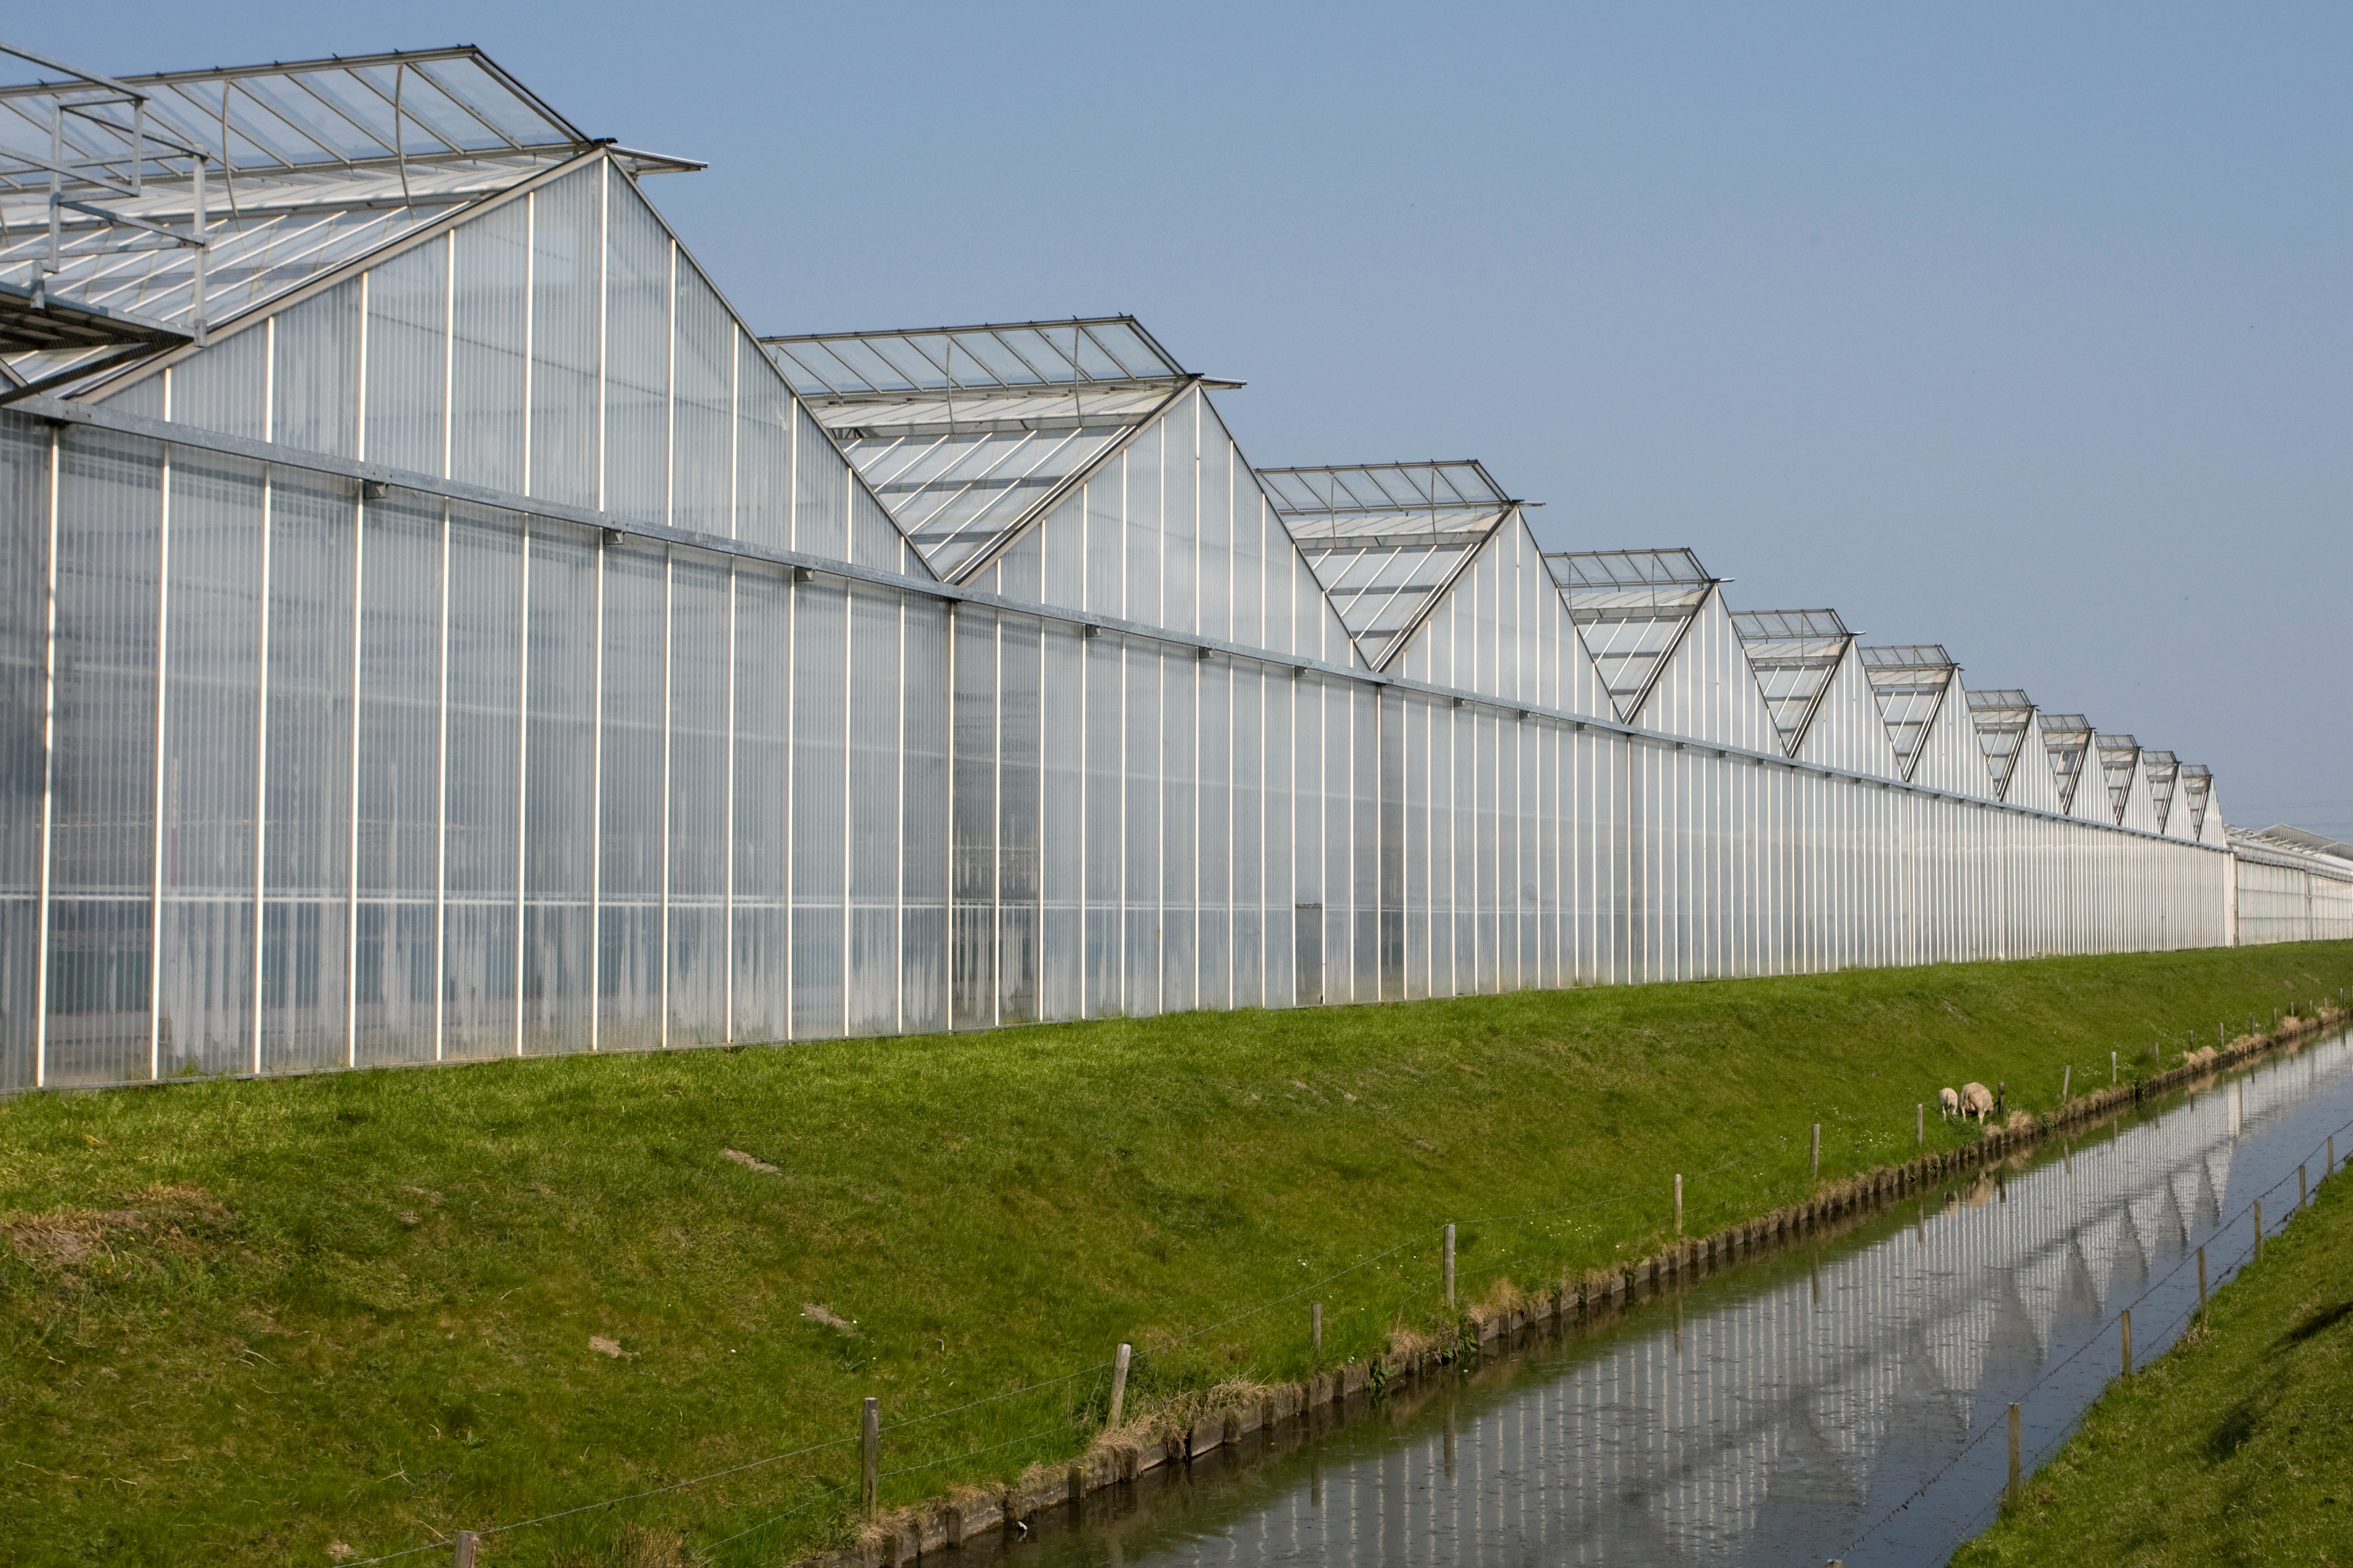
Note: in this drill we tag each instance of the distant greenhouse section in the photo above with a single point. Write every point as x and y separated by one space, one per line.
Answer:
439 627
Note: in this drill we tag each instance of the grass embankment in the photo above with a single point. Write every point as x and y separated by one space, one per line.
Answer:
299 1321
2236 1446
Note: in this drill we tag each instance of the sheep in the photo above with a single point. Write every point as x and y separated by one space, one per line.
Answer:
1948 1104
1976 1100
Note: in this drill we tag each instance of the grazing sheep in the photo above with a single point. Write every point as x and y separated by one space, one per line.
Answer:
1976 1100
1948 1104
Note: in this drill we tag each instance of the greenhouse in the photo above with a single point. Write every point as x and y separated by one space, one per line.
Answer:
439 626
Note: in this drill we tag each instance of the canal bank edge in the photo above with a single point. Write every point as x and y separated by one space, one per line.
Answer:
2227 1448
1180 1430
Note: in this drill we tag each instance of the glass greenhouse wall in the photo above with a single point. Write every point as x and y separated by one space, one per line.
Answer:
485 645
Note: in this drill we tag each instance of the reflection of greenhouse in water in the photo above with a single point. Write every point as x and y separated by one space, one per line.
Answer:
439 627
1805 1411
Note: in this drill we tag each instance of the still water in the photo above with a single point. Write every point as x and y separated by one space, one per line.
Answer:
1846 1402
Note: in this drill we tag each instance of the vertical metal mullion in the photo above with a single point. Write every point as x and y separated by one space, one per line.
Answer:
603 314
596 811
849 746
48 778
946 833
448 348
522 762
899 872
735 530
359 617
791 776
261 773
792 748
351 901
604 550
441 810
727 830
995 809
162 766
670 395
669 746
530 282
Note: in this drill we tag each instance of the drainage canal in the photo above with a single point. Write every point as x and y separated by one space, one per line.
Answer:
1849 1402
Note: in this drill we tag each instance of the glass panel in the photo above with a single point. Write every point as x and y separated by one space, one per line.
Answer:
211 767
490 312
565 272
559 790
24 558
697 921
396 965
630 828
482 885
408 306
102 834
306 931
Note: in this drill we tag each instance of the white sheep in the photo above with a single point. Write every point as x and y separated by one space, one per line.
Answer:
1948 1104
1976 1100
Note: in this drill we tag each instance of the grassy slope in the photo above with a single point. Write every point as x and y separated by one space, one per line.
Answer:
2236 1448
247 1322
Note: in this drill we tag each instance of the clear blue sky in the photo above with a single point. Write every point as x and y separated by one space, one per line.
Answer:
2024 329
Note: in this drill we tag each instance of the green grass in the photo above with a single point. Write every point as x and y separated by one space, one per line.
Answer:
254 1322
2235 1448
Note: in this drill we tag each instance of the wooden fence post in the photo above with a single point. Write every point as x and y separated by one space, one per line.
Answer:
1315 1327
871 1442
2128 1340
1119 1377
1678 1202
1817 1151
2013 1454
1920 1126
2201 1284
2303 1193
2112 1066
2066 1083
467 1544
1447 1266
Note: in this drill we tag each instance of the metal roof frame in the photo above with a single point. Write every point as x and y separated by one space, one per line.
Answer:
139 196
1354 523
937 419
2067 741
1645 589
1909 681
2003 718
1794 655
2196 783
2162 770
2119 760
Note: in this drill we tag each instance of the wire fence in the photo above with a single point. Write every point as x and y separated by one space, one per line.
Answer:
1729 1204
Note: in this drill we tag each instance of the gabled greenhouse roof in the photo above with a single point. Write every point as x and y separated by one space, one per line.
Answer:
2119 756
1910 681
1069 359
2161 769
416 107
302 167
966 433
2282 836
1794 653
2066 737
1632 607
1385 540
2001 718
2197 785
